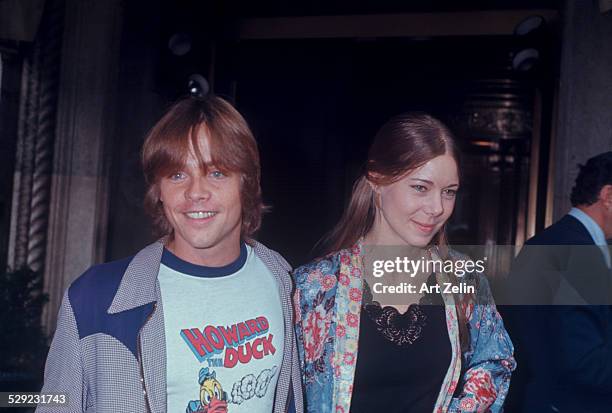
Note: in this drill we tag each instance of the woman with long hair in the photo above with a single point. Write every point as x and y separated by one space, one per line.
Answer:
441 346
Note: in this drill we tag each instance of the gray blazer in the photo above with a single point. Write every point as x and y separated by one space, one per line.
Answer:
109 352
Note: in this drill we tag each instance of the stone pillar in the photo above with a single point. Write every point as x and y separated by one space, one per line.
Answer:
584 126
85 125
35 142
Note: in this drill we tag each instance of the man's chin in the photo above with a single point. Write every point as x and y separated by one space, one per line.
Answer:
196 243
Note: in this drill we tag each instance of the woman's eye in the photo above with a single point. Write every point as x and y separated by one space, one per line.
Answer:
450 193
419 188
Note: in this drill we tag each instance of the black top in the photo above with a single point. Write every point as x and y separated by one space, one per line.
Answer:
402 358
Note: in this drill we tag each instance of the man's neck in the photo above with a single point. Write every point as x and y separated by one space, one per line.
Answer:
208 257
594 212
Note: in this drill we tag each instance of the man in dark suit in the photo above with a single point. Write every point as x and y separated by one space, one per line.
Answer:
562 284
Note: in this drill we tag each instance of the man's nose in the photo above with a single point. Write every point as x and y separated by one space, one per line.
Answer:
198 190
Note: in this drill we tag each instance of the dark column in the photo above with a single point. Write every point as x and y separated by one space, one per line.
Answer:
584 126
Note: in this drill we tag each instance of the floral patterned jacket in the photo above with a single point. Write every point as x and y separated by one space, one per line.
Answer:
328 303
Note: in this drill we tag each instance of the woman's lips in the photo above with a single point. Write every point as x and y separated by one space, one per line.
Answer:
426 229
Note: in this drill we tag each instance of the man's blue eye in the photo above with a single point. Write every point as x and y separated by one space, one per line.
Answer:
177 176
217 174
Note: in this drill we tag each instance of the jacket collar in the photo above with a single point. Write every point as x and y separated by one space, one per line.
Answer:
273 260
138 285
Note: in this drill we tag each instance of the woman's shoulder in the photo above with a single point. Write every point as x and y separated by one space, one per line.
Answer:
318 268
322 267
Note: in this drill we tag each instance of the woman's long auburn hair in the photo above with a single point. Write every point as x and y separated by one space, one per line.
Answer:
406 142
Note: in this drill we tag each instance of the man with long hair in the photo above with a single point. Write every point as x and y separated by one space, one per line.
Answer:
201 320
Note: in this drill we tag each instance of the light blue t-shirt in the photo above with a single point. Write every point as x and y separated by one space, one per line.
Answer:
224 334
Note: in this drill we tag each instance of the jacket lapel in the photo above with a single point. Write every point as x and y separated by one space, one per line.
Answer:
348 310
153 358
454 369
279 269
452 324
139 287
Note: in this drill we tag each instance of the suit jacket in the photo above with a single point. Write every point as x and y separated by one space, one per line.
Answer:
563 334
109 351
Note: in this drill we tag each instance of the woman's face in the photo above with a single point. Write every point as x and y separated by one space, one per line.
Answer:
412 210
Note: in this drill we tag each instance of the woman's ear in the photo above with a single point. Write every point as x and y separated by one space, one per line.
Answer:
371 177
375 188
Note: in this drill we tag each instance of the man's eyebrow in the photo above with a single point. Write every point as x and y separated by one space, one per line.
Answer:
196 162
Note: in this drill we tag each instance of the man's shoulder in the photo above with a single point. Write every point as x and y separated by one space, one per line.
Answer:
270 257
100 277
90 298
567 231
98 284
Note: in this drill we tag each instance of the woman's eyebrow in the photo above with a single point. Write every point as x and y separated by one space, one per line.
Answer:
431 183
422 180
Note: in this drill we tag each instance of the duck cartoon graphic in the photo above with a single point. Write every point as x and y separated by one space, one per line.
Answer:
212 397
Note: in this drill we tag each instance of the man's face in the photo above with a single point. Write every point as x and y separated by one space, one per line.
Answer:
204 210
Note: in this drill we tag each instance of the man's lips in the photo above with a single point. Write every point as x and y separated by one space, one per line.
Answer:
200 214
